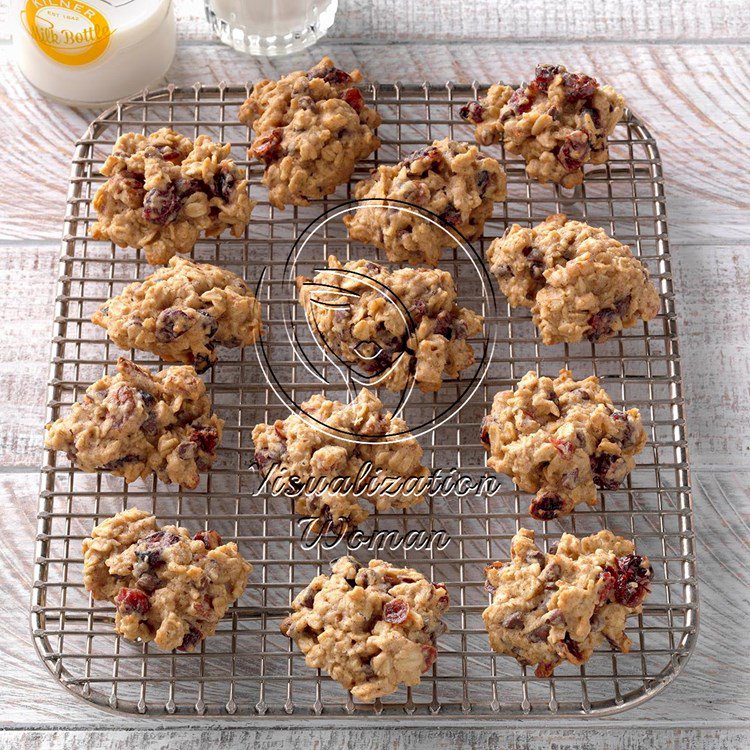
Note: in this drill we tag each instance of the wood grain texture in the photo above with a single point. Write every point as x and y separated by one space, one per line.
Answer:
524 738
23 374
713 690
508 20
693 99
712 291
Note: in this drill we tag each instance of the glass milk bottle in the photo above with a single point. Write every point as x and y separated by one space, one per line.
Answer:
270 27
96 51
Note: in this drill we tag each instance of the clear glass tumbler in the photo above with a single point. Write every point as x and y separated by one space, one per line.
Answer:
270 27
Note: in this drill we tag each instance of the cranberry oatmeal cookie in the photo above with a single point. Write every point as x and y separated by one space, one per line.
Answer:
451 180
559 122
182 313
561 439
391 325
311 450
136 423
167 586
371 628
163 190
578 281
560 606
311 128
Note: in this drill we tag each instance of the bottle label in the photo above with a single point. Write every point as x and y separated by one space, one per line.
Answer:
68 31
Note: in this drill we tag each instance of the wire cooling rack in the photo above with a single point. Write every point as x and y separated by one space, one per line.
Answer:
248 668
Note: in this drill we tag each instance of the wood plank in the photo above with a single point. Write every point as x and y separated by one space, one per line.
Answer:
25 340
592 738
713 691
508 21
713 295
693 99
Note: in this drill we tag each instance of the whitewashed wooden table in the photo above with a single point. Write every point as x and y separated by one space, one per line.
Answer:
684 66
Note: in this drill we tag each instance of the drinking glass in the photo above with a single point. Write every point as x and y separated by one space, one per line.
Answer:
270 27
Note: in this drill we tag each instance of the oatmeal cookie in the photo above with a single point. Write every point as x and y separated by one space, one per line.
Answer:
562 439
137 422
559 122
163 190
549 608
451 180
310 450
182 312
370 628
311 128
391 325
578 281
167 586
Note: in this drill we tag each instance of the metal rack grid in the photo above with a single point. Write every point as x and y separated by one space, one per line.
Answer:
248 668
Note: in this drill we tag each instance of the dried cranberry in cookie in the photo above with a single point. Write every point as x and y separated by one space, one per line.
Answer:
182 313
371 628
561 439
560 606
136 422
391 325
451 180
558 123
310 449
311 128
579 282
166 587
163 190
128 601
